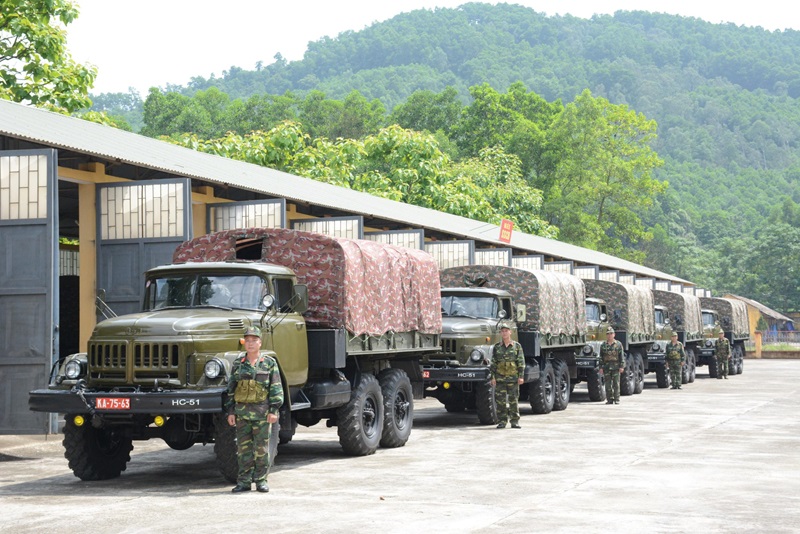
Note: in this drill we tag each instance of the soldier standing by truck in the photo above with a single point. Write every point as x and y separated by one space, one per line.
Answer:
255 396
722 352
676 359
612 356
506 372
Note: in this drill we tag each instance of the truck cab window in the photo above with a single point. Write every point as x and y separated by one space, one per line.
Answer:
283 294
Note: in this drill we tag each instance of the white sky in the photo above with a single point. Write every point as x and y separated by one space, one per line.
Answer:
155 42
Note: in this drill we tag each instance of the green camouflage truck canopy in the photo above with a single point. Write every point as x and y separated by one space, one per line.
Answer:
634 304
734 310
687 306
362 286
555 302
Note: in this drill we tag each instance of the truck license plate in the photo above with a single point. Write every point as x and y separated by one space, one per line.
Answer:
112 403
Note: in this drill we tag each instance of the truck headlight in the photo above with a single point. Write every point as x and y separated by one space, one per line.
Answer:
708 343
587 350
73 369
213 369
476 355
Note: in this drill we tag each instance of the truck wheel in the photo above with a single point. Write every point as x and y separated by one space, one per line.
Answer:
596 385
691 365
95 453
226 449
398 407
484 403
543 391
562 389
626 381
739 356
662 375
638 375
712 368
287 427
360 421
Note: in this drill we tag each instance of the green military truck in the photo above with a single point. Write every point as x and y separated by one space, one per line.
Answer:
680 313
629 309
548 311
730 315
347 321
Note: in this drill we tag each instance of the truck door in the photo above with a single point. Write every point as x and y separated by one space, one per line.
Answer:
28 284
138 227
289 337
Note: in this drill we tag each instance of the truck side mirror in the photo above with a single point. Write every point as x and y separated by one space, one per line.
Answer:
521 313
617 317
300 298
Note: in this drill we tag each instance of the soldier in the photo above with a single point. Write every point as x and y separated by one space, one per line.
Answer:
676 359
612 361
255 395
722 351
506 372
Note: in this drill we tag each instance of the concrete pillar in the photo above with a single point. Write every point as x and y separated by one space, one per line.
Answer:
758 344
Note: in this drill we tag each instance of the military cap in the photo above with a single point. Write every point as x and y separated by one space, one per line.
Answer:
674 334
253 331
610 330
505 324
722 332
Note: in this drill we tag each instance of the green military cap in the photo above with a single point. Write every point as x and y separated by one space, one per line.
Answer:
674 334
505 324
253 331
610 330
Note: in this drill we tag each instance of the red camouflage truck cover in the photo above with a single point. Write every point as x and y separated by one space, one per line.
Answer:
554 302
362 286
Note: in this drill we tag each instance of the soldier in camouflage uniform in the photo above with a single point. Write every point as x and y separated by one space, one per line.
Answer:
612 360
676 359
722 352
255 396
506 372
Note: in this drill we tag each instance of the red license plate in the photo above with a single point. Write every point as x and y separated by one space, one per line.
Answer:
112 403
426 374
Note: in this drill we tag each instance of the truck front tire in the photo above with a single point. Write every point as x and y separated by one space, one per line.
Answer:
95 453
627 379
398 407
226 449
596 386
638 374
542 391
562 385
485 404
360 421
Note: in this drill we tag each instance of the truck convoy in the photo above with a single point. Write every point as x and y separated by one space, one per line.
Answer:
348 322
680 313
550 324
629 309
730 315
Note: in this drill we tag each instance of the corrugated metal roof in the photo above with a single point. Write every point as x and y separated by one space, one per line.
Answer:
769 312
60 131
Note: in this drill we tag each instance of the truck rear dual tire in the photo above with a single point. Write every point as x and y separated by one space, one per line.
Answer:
398 407
638 375
562 385
627 379
95 453
226 448
542 391
360 421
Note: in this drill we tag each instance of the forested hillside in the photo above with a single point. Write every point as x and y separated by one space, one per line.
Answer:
723 99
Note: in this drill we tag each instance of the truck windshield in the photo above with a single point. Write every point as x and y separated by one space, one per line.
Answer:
708 319
592 312
469 306
185 291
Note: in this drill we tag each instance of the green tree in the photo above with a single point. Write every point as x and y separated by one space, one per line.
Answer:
35 65
426 111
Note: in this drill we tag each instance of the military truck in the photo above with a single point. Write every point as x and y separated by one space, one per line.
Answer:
629 309
346 320
680 313
731 316
549 322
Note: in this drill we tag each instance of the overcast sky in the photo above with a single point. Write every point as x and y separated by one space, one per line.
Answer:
155 42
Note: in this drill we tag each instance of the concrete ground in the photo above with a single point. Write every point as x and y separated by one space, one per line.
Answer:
716 456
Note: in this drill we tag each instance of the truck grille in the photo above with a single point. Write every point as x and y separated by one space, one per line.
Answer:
449 346
108 355
155 355
149 360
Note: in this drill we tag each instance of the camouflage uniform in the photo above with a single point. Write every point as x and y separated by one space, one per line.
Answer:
506 368
612 358
676 356
722 352
252 429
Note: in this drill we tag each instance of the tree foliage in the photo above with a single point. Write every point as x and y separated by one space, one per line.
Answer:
35 65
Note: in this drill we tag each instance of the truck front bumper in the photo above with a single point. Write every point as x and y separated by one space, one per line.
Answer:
454 374
139 402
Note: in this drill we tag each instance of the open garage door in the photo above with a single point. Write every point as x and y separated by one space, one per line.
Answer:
139 224
28 282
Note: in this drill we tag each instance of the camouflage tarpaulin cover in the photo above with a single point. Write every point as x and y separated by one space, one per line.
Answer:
688 306
362 286
734 310
555 302
634 303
